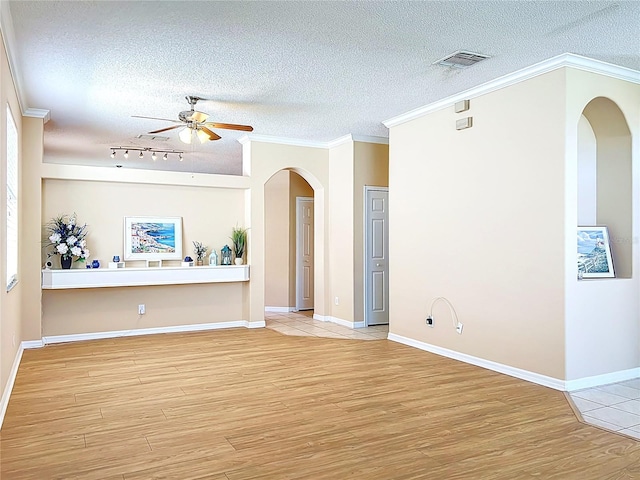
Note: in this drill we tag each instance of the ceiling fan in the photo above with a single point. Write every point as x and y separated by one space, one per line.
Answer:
195 121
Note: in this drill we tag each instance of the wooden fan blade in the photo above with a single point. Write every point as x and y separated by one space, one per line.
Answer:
156 118
212 135
230 126
165 129
199 117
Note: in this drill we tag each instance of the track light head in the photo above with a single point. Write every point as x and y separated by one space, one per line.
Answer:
164 156
126 154
154 156
180 157
113 154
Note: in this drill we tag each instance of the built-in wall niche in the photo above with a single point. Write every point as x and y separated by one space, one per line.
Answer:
604 177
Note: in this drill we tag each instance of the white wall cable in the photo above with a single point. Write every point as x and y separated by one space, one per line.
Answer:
454 315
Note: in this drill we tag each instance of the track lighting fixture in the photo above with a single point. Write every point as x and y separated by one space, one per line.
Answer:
154 153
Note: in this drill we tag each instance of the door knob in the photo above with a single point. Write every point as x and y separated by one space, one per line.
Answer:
378 265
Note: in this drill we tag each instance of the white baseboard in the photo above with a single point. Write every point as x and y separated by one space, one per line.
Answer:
8 388
279 309
604 379
78 337
339 321
481 362
6 395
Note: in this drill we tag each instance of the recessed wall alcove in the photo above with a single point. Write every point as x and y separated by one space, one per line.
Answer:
604 177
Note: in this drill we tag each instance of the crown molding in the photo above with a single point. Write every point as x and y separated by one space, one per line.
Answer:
371 139
307 143
340 141
296 142
38 113
560 61
357 138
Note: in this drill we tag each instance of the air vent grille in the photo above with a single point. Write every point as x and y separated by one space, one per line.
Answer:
156 138
461 59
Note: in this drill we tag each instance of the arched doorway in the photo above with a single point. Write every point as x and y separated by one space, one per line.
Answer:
289 240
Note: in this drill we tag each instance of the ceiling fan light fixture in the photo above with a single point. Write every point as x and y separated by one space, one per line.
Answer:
185 135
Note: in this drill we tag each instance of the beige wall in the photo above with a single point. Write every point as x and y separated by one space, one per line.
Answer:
208 215
341 240
371 161
11 331
477 216
602 315
276 239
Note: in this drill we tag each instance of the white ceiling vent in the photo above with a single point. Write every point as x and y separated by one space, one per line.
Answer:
157 138
461 59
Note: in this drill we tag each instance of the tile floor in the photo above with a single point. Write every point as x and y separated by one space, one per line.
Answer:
615 407
302 324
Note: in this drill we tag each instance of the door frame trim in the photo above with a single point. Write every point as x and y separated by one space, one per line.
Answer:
299 200
365 250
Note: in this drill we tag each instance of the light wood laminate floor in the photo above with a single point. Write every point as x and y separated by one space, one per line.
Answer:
255 404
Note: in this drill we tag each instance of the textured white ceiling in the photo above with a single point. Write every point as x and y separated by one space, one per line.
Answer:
308 70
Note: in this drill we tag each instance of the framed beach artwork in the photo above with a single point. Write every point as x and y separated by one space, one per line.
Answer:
594 253
152 238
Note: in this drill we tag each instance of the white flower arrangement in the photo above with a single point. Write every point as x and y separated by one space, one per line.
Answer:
67 237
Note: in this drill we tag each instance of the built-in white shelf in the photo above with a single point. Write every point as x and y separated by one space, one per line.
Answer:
135 277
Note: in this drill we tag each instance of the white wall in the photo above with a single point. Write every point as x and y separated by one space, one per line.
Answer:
586 174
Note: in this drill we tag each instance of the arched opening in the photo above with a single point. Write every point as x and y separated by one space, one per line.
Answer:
604 177
289 241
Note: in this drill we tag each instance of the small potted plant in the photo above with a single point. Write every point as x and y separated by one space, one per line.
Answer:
200 251
239 239
68 239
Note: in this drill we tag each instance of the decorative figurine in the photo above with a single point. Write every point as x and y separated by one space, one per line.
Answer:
213 258
226 255
95 264
116 258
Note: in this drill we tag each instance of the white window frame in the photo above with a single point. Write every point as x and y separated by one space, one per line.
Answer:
12 226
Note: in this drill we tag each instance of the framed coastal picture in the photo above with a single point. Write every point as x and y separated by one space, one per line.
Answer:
594 253
152 238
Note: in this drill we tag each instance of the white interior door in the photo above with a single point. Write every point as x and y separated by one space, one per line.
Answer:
376 260
304 253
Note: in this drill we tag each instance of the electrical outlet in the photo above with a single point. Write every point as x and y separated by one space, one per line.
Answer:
459 328
337 301
141 309
430 321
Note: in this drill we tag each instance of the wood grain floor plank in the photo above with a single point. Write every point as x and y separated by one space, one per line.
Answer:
254 405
